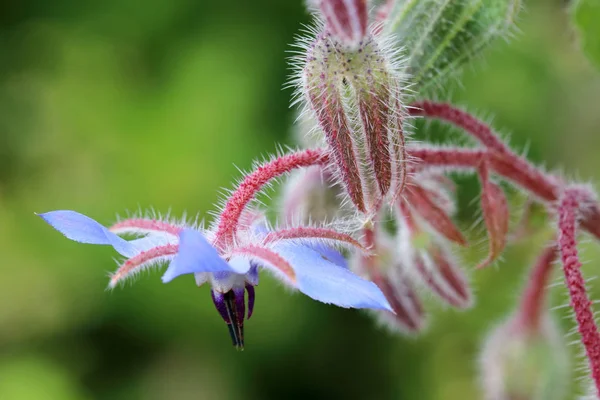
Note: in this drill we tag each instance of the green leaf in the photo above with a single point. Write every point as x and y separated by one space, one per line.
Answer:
586 17
440 36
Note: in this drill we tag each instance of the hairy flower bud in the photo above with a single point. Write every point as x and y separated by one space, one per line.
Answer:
355 97
522 364
441 36
525 358
386 270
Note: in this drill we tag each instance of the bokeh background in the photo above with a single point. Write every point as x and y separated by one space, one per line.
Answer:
116 105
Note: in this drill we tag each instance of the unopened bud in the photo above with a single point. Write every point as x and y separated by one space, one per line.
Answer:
386 271
355 97
521 364
442 36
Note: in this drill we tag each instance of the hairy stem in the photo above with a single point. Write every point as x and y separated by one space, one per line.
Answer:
475 127
482 132
580 302
545 187
253 183
534 295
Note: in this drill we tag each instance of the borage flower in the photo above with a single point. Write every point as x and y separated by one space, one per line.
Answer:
298 256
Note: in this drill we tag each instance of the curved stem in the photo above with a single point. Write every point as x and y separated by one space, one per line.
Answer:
254 182
462 119
546 187
580 302
534 295
504 156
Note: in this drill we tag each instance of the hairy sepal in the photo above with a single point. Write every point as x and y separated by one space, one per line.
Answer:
495 214
355 97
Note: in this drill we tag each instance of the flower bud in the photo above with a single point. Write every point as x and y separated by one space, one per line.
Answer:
389 274
517 363
355 98
442 36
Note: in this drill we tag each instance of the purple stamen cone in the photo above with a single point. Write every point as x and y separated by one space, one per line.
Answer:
240 303
250 290
219 300
231 307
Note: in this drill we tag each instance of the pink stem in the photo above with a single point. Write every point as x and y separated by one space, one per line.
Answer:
580 302
484 134
538 183
544 186
253 183
534 296
304 232
447 112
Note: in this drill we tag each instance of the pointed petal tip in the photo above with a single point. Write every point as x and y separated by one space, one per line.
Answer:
83 229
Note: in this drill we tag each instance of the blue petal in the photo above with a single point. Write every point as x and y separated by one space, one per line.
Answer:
329 283
197 255
329 253
83 229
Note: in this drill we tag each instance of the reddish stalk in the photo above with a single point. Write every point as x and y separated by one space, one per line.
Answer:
253 183
545 187
303 232
475 127
580 302
370 242
505 157
534 296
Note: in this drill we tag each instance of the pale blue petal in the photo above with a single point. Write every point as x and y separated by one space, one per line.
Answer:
329 283
329 253
78 227
195 255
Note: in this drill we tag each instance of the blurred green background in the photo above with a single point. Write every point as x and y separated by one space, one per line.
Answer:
124 104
